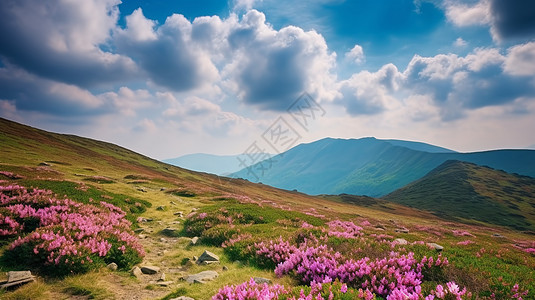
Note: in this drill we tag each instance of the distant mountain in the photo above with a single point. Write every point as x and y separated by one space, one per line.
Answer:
208 163
370 166
458 189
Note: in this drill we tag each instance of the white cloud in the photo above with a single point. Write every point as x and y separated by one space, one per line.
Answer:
521 60
462 14
140 28
459 42
356 54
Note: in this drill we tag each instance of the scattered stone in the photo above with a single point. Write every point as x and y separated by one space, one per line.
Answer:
402 230
173 203
169 231
142 190
194 240
144 220
161 207
182 298
225 268
401 241
195 258
142 236
136 271
112 266
163 240
174 223
207 258
164 283
180 214
139 230
162 189
44 164
380 226
497 235
194 209
162 277
150 270
261 280
17 278
435 246
201 277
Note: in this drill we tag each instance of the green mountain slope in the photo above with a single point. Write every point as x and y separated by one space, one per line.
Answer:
370 166
458 189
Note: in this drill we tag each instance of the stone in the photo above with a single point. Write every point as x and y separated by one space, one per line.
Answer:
435 246
164 283
182 298
172 203
139 230
142 236
180 214
17 278
170 231
225 268
150 270
112 266
162 189
402 230
497 235
136 271
142 190
161 207
163 240
261 280
162 277
201 277
194 240
401 241
207 258
195 258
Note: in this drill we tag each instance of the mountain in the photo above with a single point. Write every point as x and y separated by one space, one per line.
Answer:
370 166
458 189
208 163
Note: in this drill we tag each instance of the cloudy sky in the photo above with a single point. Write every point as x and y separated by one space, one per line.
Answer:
167 78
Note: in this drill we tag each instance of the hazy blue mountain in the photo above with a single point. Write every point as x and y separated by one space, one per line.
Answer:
370 166
208 163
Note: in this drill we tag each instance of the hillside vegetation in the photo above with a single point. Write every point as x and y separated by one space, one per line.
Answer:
356 248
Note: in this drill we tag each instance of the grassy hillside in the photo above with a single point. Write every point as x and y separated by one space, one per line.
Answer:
458 189
372 167
239 221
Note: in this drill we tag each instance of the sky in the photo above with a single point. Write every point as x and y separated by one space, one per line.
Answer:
171 77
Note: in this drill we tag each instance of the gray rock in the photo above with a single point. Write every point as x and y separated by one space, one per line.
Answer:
194 240
161 207
401 241
195 258
162 277
261 280
164 283
225 268
169 231
497 235
139 230
402 230
163 240
435 246
180 214
150 270
142 190
112 266
201 277
207 258
173 203
17 278
136 271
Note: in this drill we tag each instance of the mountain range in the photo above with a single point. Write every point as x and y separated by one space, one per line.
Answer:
370 166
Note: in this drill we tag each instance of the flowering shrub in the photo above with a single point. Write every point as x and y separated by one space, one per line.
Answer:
64 236
344 229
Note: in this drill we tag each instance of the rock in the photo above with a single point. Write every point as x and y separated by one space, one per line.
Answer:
401 241
380 226
182 298
143 220
162 277
207 258
201 277
180 214
195 258
112 266
44 164
194 209
172 203
139 230
163 240
161 207
261 280
164 283
169 231
17 278
402 230
142 190
435 246
225 268
194 240
150 270
162 189
142 236
136 271
497 235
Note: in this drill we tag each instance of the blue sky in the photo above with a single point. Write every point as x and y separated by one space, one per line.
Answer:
167 78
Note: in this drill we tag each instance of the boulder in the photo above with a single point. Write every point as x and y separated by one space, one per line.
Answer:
194 240
136 271
261 280
435 246
401 241
150 270
207 258
17 278
402 230
201 277
112 266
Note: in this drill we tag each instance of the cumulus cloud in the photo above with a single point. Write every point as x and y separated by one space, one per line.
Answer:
271 68
507 19
459 42
452 83
356 54
63 40
167 55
